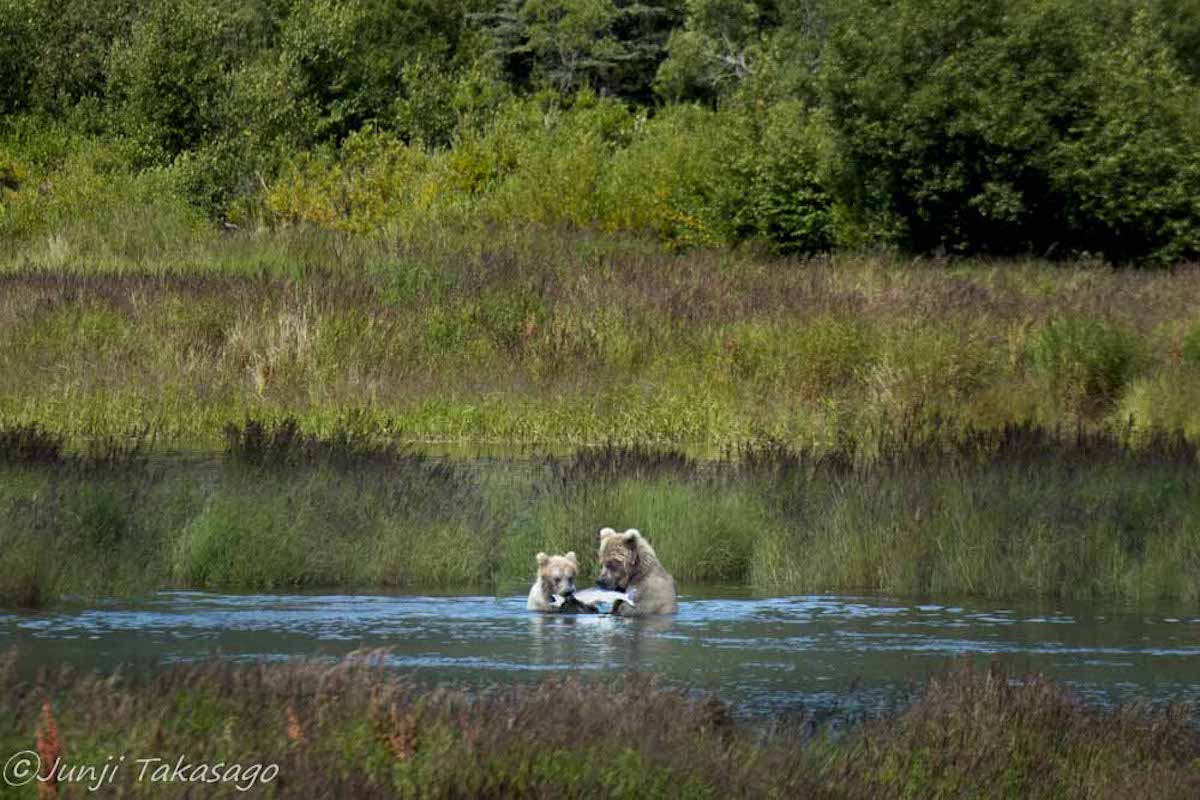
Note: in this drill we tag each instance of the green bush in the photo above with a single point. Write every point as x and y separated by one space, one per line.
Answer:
74 41
558 162
354 60
788 204
1180 24
18 48
276 534
676 179
1087 362
372 179
168 77
1190 346
88 204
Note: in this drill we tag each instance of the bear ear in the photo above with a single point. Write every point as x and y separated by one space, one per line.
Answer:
631 537
605 532
571 557
542 559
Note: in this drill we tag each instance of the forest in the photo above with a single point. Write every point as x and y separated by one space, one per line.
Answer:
1058 130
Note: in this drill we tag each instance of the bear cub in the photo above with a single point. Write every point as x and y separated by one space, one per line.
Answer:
554 587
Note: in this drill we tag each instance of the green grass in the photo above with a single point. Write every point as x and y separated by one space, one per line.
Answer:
560 339
1020 513
353 729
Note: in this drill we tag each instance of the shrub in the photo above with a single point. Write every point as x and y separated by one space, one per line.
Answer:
1190 347
18 45
815 360
349 58
310 527
788 204
96 517
371 179
1087 362
676 179
74 41
87 203
558 165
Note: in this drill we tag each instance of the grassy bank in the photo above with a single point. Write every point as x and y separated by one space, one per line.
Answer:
1019 512
354 730
561 339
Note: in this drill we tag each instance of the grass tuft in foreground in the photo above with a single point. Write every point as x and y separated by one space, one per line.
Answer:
355 729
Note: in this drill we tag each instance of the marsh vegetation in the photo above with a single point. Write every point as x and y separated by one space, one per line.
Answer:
804 232
1020 511
353 729
563 340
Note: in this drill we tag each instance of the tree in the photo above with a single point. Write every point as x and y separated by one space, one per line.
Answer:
612 46
349 58
718 47
18 48
1131 169
572 40
168 77
947 115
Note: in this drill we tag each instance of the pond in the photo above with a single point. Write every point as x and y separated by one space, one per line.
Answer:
763 653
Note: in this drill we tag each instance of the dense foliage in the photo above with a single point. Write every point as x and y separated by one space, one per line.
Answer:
958 126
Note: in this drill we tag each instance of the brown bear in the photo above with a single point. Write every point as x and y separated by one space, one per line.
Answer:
629 564
554 587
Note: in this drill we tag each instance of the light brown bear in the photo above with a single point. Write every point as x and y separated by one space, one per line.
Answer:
554 587
629 564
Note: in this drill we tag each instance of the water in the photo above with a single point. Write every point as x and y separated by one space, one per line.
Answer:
764 653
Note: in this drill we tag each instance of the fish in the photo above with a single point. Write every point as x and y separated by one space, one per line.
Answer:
594 598
570 604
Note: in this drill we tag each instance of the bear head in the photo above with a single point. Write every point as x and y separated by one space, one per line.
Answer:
619 556
557 573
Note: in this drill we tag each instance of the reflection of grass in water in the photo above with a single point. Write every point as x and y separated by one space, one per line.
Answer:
354 730
1016 513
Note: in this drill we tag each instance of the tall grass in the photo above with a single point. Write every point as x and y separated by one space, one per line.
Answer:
562 339
356 729
1021 512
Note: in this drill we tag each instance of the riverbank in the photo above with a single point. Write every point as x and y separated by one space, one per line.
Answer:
1020 512
554 339
353 729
